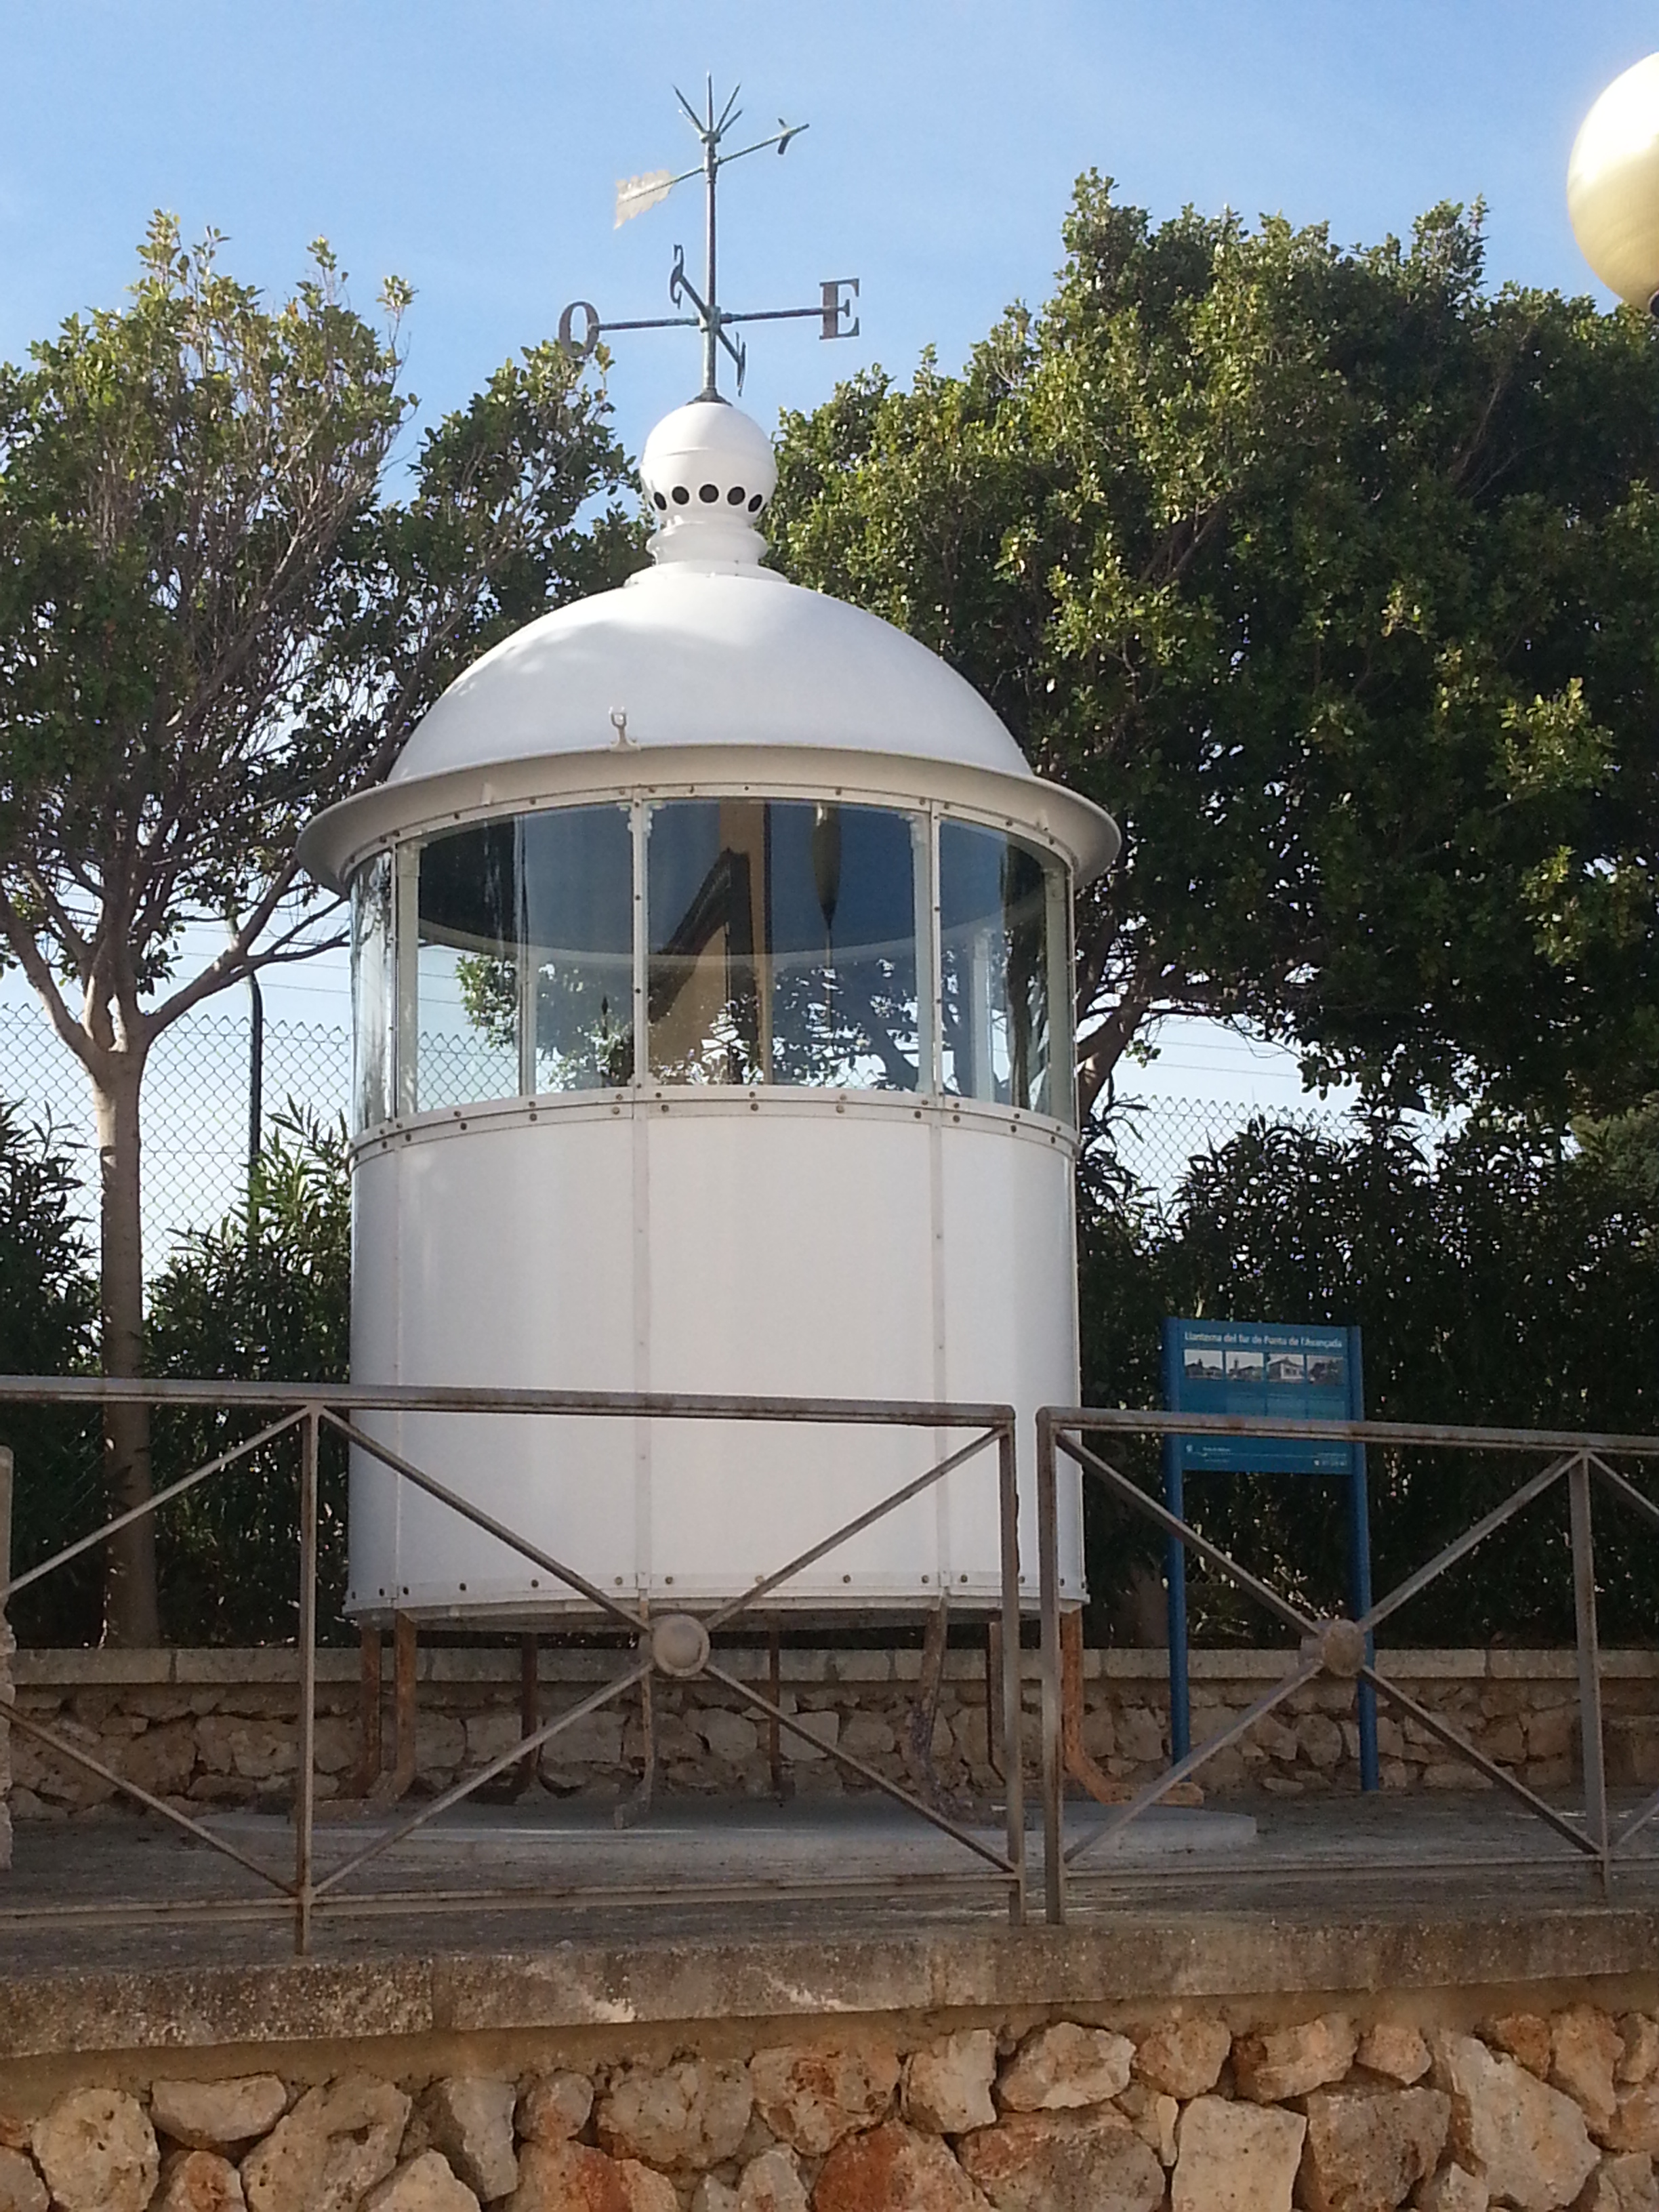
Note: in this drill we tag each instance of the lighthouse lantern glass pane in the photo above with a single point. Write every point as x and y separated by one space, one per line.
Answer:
525 958
371 993
783 944
994 1005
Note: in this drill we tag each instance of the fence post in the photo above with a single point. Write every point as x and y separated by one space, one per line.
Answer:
305 1793
1590 1660
7 1645
1053 1767
1013 1766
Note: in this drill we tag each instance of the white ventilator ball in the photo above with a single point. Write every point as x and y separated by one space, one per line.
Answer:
1612 184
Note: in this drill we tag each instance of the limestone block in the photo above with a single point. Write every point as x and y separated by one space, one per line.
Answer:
1275 1739
489 1735
1140 1736
337 2142
97 2151
1064 2162
1235 2158
772 2183
199 2181
1639 2055
1455 1774
1099 1732
337 1744
1552 1734
1454 2189
692 2114
947 2085
593 1740
1634 2124
811 2096
1061 2068
714 2195
1320 1739
892 2168
1287 2062
868 1737
729 1735
21 2189
1584 2048
1395 2050
469 2117
568 2176
554 2109
1366 2149
426 2184
1506 1742
1183 2056
1525 2036
1623 2182
821 1730
1527 2142
217 2115
1152 2118
440 1744
161 1760
255 1750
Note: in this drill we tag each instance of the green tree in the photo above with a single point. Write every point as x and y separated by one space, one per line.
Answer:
265 1296
48 1326
213 620
1332 573
1505 1277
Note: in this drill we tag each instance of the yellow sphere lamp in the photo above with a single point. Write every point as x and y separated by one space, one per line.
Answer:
1613 186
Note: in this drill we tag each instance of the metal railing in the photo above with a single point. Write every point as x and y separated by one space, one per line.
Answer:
676 1645
1336 1646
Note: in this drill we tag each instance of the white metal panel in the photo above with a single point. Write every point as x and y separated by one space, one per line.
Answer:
725 1244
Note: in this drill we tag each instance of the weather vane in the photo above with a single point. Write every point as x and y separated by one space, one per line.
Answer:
635 195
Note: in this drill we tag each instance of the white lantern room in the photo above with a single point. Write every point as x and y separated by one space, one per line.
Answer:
712 954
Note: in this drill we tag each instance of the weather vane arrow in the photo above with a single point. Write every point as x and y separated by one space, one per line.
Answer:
580 326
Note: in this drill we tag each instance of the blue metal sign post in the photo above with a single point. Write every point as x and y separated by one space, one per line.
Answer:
1263 1369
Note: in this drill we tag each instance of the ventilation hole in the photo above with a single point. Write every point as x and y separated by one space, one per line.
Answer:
755 503
709 494
734 497
681 495
659 498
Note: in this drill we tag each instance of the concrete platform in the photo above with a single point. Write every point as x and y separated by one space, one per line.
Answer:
711 1911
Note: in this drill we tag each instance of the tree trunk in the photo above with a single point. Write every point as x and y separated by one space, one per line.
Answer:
132 1616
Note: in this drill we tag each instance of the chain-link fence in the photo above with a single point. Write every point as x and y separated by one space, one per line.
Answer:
196 1111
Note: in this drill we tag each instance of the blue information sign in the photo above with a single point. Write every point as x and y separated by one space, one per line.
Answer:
1267 1371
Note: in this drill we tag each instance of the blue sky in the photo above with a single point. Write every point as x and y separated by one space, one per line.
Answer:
473 149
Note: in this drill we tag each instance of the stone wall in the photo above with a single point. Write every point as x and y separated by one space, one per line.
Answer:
217 1727
1190 2109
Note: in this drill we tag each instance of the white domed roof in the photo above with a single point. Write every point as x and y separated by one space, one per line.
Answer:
692 658
704 666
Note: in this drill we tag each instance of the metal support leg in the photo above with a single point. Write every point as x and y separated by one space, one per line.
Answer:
1054 1780
993 1696
405 1654
774 1694
633 1810
924 1710
1589 1662
368 1711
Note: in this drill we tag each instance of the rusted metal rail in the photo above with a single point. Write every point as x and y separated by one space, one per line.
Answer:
1337 1646
674 1645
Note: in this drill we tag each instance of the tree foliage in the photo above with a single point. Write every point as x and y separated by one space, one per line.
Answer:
1331 574
1507 1278
48 1326
265 1296
216 619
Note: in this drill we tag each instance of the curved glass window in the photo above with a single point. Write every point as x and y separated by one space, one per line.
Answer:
783 942
371 993
996 920
791 942
524 952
